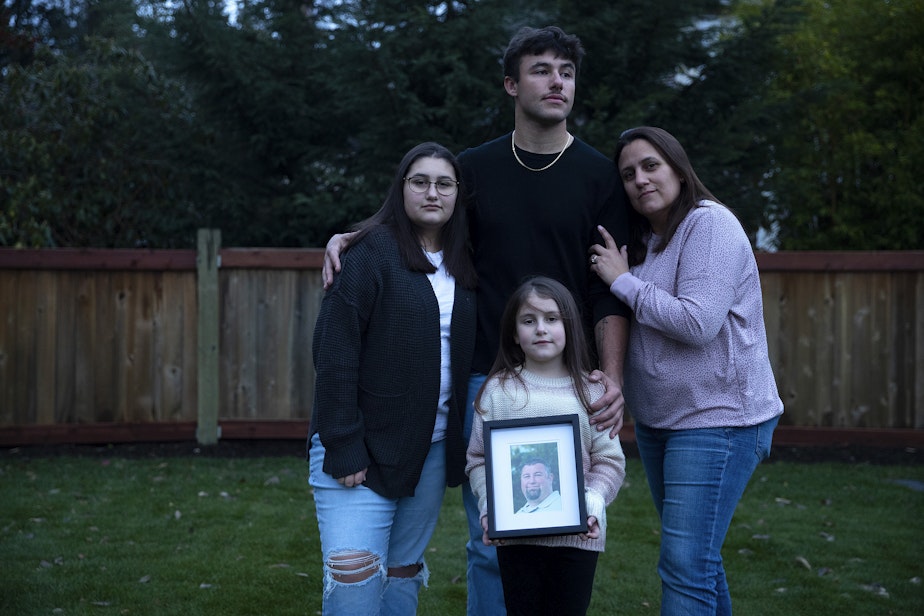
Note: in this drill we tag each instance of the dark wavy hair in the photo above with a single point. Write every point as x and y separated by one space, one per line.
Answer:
510 356
692 190
454 234
536 41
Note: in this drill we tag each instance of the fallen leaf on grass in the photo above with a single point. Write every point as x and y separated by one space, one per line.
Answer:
804 562
144 579
876 588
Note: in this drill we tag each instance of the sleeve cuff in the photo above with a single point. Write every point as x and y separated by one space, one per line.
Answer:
596 506
625 287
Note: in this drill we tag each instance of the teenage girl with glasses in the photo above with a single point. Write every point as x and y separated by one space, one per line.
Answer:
392 352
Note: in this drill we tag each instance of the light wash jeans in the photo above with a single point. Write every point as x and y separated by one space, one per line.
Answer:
485 592
696 478
396 531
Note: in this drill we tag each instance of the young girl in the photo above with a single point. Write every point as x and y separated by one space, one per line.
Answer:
541 369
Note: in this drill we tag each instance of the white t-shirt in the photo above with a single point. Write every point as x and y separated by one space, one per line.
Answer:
444 286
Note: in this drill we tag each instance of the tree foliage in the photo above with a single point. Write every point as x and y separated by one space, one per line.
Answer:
133 122
95 151
851 127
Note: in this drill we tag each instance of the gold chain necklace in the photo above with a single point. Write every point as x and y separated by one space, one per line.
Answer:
513 148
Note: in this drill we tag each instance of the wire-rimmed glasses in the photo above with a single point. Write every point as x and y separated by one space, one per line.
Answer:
421 184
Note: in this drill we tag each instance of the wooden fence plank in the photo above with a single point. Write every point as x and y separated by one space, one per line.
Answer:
175 394
109 323
9 353
46 342
239 344
270 312
209 385
276 325
24 378
122 295
308 305
65 364
904 338
918 351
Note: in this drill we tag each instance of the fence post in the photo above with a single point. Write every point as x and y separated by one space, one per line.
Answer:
208 260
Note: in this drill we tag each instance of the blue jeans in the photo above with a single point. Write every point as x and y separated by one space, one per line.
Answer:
485 592
696 478
363 535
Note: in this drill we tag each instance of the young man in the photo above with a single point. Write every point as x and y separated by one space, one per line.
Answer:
539 194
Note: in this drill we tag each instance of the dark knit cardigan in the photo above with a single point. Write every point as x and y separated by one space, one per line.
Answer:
376 354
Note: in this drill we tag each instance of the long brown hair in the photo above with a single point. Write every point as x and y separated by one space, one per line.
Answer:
510 356
692 190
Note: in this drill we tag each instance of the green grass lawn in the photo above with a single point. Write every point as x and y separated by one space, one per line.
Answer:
206 536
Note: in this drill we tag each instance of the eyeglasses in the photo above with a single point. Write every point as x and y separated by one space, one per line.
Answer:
421 184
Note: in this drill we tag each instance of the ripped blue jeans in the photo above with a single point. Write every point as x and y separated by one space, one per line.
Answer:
364 536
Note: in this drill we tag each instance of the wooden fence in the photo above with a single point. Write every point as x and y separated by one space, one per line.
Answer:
141 341
846 336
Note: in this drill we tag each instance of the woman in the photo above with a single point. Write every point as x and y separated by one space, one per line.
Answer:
698 380
386 431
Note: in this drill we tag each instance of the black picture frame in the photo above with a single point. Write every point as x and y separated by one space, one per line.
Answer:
508 445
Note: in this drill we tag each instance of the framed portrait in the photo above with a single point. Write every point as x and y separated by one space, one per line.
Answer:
535 478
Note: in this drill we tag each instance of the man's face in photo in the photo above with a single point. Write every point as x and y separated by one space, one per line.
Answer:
536 482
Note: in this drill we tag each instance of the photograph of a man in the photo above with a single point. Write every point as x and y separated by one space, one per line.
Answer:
537 481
